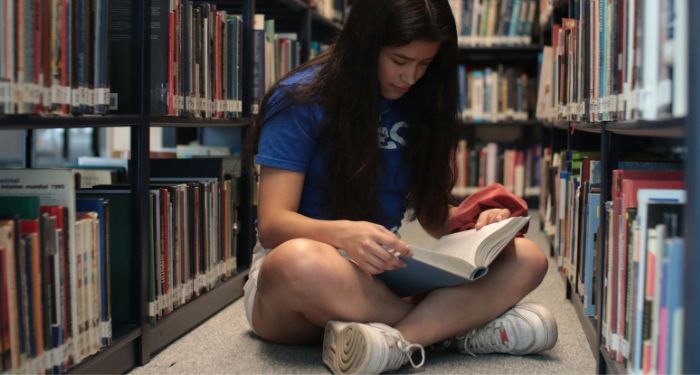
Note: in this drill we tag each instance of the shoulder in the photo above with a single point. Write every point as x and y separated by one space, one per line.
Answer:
301 77
282 103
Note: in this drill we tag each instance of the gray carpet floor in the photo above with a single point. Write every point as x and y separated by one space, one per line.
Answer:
225 344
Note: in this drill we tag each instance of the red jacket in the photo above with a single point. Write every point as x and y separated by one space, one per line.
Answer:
492 196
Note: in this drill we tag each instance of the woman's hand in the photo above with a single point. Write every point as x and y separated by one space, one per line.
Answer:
371 246
491 216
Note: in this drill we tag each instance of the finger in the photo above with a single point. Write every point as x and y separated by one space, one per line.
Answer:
369 269
483 219
374 261
486 218
387 259
505 213
391 242
390 257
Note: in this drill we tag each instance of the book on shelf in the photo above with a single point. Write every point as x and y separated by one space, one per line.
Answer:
57 60
494 23
195 53
274 55
625 185
329 9
479 166
58 256
655 203
617 61
493 94
455 259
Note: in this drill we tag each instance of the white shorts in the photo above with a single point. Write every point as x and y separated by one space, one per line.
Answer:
251 286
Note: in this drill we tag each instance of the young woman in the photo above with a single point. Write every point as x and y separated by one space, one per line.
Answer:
346 144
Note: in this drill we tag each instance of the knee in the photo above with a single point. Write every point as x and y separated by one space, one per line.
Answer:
533 259
297 265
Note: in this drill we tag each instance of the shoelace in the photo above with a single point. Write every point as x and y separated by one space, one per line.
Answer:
487 337
395 358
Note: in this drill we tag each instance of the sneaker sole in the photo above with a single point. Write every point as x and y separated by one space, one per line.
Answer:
550 324
345 348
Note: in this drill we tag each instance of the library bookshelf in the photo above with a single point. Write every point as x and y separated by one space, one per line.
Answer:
134 344
615 139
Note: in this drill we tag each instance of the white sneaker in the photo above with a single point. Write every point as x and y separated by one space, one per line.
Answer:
527 328
351 348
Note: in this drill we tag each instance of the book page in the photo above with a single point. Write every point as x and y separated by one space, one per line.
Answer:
466 244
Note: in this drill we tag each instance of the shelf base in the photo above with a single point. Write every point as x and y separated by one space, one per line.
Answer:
118 358
611 367
187 317
586 323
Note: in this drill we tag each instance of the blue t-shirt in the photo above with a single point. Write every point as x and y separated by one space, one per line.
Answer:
289 141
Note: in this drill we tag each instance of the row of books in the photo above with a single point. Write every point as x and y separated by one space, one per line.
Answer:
193 205
494 22
66 241
329 9
316 48
642 275
545 13
275 54
195 60
60 57
615 61
493 94
54 56
481 165
56 307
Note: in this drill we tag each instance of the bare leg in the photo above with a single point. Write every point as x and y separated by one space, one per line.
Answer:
305 283
450 311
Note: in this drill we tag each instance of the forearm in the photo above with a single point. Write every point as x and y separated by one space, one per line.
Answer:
287 225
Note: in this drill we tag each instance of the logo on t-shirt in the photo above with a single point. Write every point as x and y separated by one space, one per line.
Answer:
390 139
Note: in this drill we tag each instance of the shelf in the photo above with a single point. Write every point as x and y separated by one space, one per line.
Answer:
504 50
586 322
268 7
320 20
188 122
293 5
66 122
117 358
506 123
611 367
668 128
587 127
561 125
189 316
671 128
523 55
465 191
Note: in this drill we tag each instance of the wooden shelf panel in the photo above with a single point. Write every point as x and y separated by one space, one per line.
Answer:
117 358
588 128
66 122
611 367
462 192
324 22
525 55
187 317
587 324
671 128
506 123
268 7
187 122
667 128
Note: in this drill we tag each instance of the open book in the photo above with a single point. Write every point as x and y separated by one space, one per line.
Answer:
455 259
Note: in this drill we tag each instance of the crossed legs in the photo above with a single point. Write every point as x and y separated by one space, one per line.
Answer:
304 283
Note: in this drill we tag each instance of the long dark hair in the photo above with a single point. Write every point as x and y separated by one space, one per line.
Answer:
346 85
